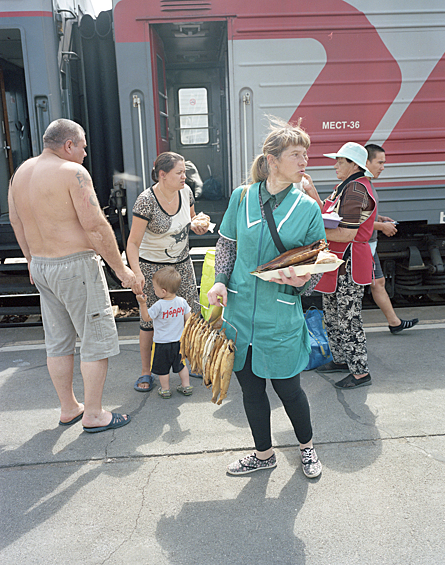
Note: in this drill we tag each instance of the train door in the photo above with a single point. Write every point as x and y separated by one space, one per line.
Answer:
198 119
15 142
195 57
5 149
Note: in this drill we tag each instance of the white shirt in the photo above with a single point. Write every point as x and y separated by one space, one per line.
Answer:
168 319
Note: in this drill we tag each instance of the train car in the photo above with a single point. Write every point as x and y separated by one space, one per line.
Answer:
199 77
40 80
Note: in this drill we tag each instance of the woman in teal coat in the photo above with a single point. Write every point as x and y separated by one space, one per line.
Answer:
272 338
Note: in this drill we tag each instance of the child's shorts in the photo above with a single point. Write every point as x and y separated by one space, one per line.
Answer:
167 357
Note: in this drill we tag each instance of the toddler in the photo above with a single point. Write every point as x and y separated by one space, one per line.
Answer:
168 314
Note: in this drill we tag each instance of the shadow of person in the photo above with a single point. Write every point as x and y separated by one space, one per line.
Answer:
255 527
33 493
344 417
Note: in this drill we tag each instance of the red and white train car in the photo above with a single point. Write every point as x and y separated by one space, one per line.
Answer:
199 76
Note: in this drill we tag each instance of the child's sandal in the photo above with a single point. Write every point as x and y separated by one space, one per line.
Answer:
167 393
185 390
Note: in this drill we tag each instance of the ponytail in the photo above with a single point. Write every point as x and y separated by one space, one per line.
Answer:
259 170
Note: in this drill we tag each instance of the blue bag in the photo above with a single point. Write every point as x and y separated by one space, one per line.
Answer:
320 351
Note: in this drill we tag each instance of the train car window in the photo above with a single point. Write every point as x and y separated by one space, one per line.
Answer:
193 116
163 117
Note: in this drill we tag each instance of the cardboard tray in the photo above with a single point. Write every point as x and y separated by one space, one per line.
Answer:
299 270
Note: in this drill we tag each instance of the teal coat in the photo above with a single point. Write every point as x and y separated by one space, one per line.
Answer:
268 315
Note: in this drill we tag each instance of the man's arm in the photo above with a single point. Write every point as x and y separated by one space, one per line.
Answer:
95 224
385 225
19 231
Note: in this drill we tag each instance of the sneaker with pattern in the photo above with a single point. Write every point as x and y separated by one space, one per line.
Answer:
310 462
250 464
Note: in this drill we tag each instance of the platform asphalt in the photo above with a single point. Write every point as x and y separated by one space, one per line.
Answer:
156 492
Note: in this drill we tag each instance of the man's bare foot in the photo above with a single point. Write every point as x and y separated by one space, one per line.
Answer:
117 421
68 416
103 419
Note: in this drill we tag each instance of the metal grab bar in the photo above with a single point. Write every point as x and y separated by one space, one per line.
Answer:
137 104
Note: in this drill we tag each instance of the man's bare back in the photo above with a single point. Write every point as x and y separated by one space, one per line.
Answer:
52 197
54 210
55 214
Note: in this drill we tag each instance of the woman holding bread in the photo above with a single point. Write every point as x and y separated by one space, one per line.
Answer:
163 214
272 340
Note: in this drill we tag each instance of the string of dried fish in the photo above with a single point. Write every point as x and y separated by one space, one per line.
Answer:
209 352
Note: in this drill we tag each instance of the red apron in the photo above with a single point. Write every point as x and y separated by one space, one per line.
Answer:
361 256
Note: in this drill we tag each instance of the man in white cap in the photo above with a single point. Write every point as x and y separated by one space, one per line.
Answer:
343 289
376 164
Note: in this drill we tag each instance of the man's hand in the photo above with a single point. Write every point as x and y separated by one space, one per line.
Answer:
29 271
388 229
128 279
217 295
293 280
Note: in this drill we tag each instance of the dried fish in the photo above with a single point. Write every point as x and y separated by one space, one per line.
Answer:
295 256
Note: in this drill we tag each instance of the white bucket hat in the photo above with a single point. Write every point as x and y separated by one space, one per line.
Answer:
354 152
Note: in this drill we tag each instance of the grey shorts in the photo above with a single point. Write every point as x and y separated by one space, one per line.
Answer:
74 301
378 273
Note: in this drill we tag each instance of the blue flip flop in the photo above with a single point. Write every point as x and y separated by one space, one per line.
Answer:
117 421
145 379
71 422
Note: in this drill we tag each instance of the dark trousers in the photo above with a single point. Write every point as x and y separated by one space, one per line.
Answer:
257 407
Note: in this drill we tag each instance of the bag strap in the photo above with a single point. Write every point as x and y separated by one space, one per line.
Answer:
273 227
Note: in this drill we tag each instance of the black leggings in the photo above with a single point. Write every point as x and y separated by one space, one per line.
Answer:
257 407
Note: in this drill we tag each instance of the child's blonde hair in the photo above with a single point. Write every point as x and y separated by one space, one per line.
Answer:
168 278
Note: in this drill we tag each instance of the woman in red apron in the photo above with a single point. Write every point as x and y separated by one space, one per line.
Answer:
343 289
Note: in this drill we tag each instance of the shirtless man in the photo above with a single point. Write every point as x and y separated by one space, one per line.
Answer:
376 164
60 227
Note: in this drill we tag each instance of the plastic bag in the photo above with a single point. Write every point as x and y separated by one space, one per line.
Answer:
320 351
207 281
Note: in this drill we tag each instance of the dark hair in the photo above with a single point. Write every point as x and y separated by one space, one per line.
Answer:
60 131
350 161
282 135
168 278
372 150
165 162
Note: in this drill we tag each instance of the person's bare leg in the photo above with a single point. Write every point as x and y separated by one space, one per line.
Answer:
383 301
185 377
61 373
94 374
263 455
145 345
164 381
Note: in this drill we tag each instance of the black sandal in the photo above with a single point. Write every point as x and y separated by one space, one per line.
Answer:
404 325
351 382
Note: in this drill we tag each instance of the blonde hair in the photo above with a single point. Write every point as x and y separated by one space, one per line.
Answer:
282 135
168 278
